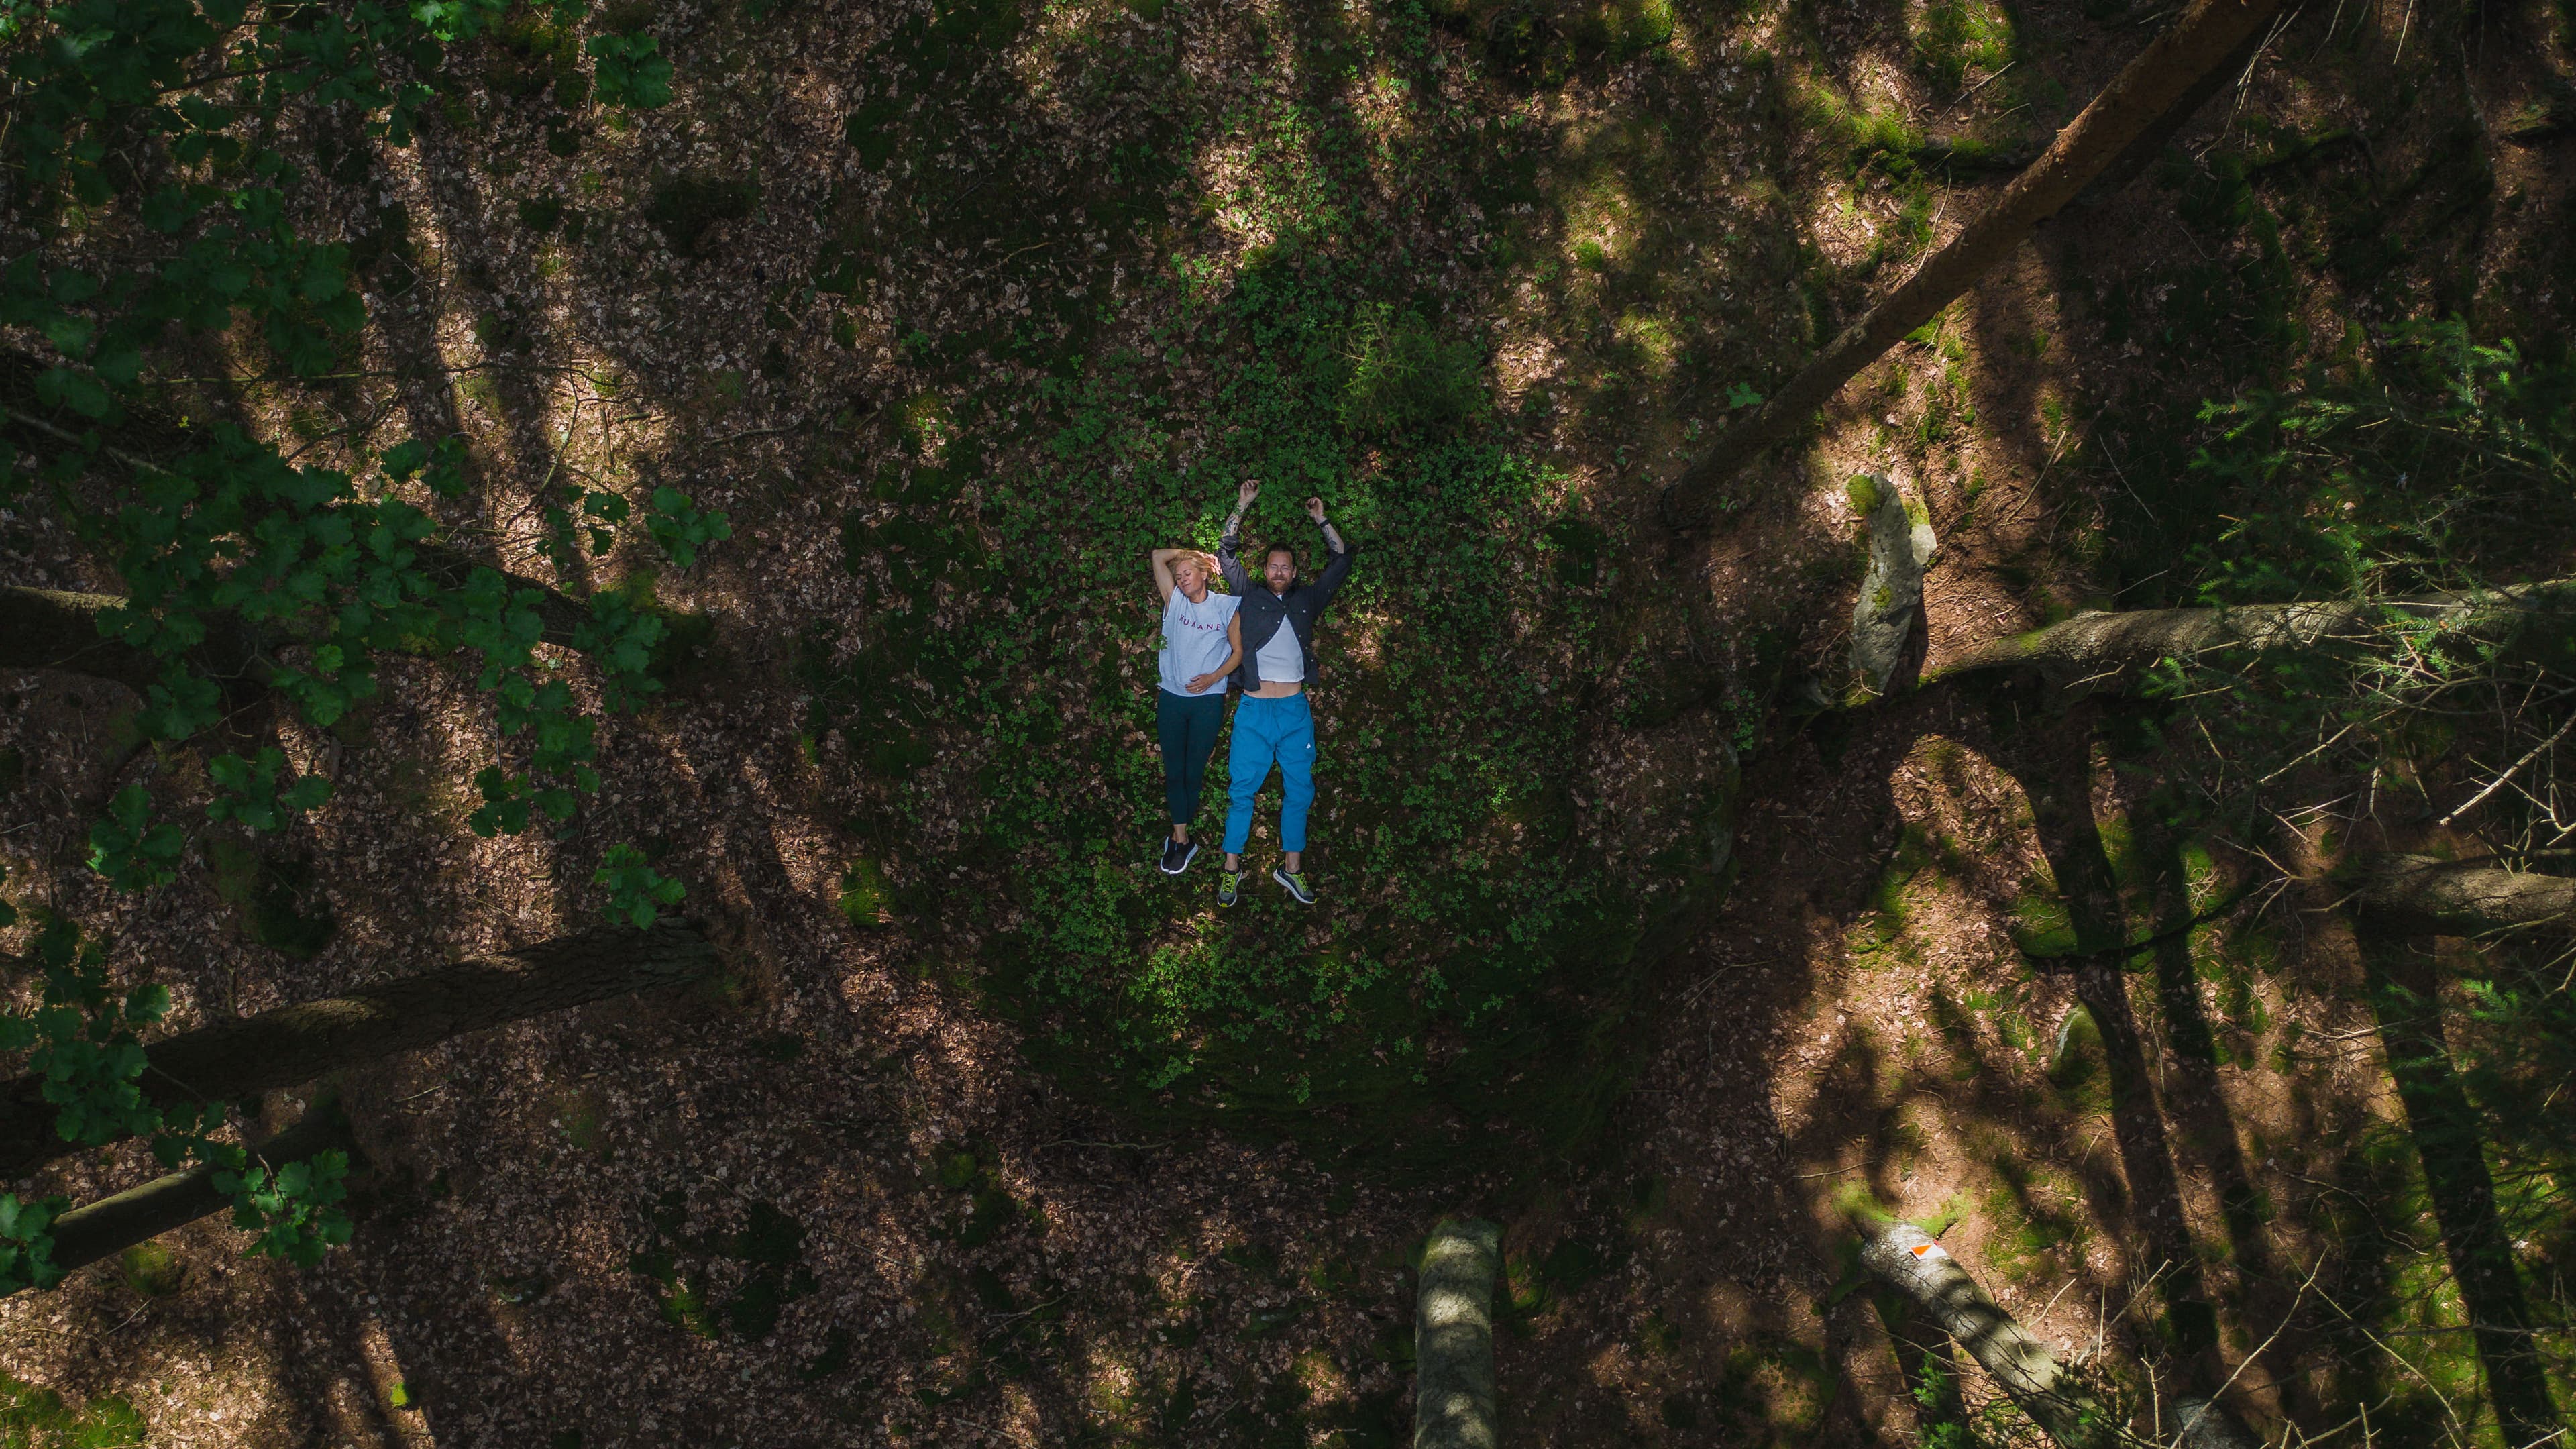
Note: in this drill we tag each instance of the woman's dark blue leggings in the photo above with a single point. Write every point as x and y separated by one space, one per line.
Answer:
1188 726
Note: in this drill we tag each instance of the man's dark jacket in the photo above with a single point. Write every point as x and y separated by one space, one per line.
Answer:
1263 610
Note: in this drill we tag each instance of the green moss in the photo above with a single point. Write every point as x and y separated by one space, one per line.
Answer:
2042 925
581 1124
2077 1061
866 899
1955 35
528 55
152 1270
2029 1217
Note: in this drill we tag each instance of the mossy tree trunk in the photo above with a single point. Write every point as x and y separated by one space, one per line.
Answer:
1453 1355
296 1044
2162 77
2113 651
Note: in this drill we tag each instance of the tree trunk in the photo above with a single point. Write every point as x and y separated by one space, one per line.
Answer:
297 1044
2141 153
1453 1353
113 1224
1914 1264
2111 651
2419 895
561 613
1910 1261
51 629
2160 78
2449 1132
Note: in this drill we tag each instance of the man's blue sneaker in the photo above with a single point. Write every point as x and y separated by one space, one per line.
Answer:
1295 881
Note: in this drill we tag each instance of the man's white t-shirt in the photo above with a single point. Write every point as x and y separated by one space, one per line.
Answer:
1281 661
1194 641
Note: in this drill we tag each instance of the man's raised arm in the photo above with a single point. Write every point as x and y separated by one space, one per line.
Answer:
1229 549
1338 566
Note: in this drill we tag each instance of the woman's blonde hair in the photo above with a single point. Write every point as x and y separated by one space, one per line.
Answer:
1206 563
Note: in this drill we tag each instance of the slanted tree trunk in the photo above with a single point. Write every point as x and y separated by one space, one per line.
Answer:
113 1224
1915 1264
2141 153
1453 1336
1910 1261
297 1044
2111 651
2160 78
53 629
2419 895
562 614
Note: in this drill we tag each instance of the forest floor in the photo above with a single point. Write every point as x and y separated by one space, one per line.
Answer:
836 1202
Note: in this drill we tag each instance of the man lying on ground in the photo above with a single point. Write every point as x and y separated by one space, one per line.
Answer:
1275 724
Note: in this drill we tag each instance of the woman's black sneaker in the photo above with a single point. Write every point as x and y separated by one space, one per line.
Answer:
1177 855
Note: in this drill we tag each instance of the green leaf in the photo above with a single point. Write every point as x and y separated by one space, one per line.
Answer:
630 71
636 892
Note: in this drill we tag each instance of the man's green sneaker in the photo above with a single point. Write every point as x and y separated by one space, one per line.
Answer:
1295 881
1226 884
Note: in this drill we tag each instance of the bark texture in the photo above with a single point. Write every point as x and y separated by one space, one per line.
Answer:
1453 1353
2138 155
2110 651
2162 77
297 1044
113 1224
2419 895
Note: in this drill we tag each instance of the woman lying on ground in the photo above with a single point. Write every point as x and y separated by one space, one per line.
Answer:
1202 643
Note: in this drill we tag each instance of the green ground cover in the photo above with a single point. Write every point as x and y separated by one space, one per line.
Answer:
1471 948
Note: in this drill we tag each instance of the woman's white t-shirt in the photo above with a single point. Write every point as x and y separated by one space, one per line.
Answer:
1194 640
